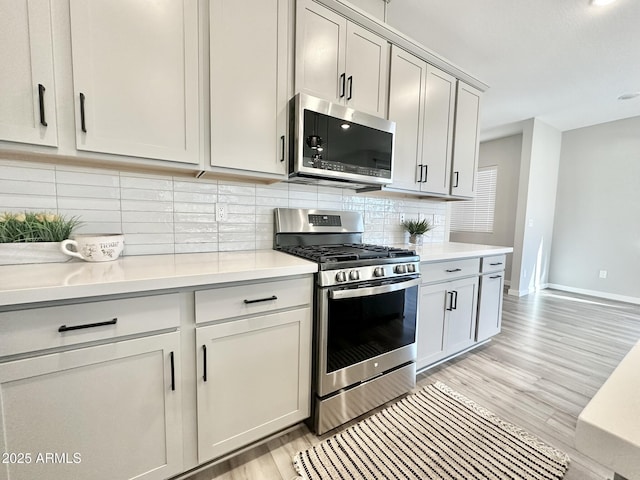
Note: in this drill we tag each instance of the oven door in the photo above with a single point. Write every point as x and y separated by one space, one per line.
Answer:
364 331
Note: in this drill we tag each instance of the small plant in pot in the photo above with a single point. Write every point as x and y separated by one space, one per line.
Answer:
416 229
34 237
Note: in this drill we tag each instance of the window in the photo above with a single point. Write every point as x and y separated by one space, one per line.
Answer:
477 215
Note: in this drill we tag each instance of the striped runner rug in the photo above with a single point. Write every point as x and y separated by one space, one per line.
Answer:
433 434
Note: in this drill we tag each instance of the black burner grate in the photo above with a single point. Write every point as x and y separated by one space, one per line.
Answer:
346 252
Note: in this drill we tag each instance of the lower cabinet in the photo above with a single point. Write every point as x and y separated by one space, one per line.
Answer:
107 412
253 379
447 322
490 305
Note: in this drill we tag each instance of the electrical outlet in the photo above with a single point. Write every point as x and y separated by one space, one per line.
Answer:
603 274
221 212
402 217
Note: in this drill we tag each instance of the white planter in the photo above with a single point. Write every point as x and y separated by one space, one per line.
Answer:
32 252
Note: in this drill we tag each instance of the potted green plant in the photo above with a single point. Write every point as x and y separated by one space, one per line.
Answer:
30 237
416 229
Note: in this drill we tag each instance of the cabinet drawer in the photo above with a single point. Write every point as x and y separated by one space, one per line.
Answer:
52 327
248 299
495 263
449 270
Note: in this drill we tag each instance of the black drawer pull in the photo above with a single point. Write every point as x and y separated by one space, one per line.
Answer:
495 276
495 264
455 300
41 90
173 373
204 363
450 307
64 328
453 270
273 297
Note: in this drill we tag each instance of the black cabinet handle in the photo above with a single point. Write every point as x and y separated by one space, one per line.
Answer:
282 146
173 372
453 270
455 300
450 307
83 125
41 91
341 86
350 81
495 264
204 363
64 328
456 175
273 297
495 276
426 173
420 168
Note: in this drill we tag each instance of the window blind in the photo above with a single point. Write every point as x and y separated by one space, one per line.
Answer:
477 215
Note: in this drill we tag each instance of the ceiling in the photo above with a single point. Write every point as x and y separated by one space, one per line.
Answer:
564 62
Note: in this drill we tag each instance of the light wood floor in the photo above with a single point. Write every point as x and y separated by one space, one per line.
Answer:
554 352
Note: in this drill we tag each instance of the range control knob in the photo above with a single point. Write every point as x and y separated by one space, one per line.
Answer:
411 268
341 277
354 275
400 269
378 272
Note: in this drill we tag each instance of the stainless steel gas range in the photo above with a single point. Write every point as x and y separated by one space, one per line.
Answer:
365 316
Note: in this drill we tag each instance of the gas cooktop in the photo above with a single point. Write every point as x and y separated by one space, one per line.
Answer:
348 252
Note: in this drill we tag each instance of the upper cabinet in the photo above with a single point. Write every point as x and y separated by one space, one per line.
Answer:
466 140
249 85
27 101
135 77
340 61
422 103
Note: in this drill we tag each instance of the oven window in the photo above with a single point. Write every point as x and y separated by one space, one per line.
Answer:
364 327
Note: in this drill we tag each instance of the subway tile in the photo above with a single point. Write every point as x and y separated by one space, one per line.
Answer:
324 205
301 187
149 238
193 237
246 229
196 247
272 202
240 218
108 216
236 246
147 195
87 191
140 227
264 244
299 195
99 227
85 178
89 203
186 207
195 227
237 199
300 203
28 174
146 206
19 203
141 216
265 218
271 192
145 182
148 249
195 186
233 188
27 187
236 237
195 197
180 217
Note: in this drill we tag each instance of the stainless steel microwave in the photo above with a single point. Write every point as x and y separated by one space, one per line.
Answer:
335 145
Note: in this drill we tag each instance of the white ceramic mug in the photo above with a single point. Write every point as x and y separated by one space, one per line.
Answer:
94 248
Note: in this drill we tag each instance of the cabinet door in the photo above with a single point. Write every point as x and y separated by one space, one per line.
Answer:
320 52
253 379
367 71
406 100
27 98
490 306
135 77
431 321
462 304
107 411
437 142
249 84
466 138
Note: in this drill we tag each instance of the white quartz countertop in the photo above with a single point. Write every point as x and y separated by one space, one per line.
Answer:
608 429
435 252
21 284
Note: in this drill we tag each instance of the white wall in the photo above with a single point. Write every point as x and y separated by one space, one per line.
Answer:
536 206
505 153
597 223
170 214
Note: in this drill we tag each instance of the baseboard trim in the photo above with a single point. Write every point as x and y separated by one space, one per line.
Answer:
595 293
520 293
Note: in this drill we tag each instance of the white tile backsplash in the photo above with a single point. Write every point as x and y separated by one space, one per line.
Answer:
162 214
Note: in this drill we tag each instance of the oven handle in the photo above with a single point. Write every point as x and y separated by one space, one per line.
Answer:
367 291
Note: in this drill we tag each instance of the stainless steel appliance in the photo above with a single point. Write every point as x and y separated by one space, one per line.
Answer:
366 299
339 146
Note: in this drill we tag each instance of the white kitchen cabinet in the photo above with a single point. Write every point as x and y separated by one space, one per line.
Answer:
448 308
249 85
107 411
422 103
135 77
340 61
466 141
490 298
27 99
253 379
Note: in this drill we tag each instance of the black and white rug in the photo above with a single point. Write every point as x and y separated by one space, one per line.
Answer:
436 433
